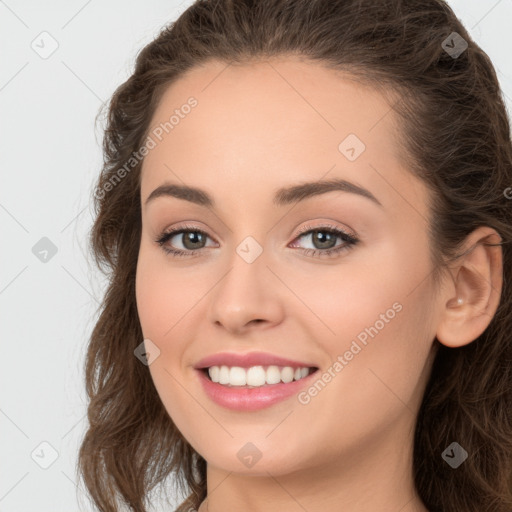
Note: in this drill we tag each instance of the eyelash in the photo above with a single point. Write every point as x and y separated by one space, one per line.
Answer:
350 240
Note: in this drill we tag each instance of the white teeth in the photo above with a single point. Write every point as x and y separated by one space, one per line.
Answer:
214 373
237 376
223 375
255 376
287 374
273 375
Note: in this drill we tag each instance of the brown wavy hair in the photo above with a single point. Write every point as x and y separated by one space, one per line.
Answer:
454 135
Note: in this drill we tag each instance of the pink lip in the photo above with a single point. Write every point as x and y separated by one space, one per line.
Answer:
247 360
251 399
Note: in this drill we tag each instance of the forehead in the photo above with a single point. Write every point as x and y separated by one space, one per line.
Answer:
271 123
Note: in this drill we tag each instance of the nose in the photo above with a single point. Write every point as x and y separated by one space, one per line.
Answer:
247 296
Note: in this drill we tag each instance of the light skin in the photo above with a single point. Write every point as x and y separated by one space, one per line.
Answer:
258 128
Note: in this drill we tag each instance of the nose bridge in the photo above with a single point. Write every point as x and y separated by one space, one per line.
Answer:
246 292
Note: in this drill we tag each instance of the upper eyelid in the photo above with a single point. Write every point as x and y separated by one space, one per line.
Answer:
327 227
305 230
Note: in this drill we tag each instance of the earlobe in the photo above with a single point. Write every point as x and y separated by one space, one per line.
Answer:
474 294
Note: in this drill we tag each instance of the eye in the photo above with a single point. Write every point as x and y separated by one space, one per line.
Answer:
192 239
324 239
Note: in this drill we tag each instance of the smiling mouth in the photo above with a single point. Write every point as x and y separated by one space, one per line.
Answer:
255 376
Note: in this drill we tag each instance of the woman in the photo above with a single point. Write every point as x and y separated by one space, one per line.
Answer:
305 218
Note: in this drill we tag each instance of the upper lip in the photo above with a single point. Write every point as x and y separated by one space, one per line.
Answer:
247 360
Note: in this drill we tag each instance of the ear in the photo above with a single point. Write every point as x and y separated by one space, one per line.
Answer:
471 300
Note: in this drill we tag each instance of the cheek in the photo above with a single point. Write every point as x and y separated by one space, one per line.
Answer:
167 300
163 294
160 306
376 378
151 298
360 298
374 314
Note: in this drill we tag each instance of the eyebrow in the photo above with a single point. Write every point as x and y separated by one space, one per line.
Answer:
282 197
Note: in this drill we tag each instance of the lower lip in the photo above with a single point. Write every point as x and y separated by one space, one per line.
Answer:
251 399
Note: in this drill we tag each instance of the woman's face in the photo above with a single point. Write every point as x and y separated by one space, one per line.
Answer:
262 280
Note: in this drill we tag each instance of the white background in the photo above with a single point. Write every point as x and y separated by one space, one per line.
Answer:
50 156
